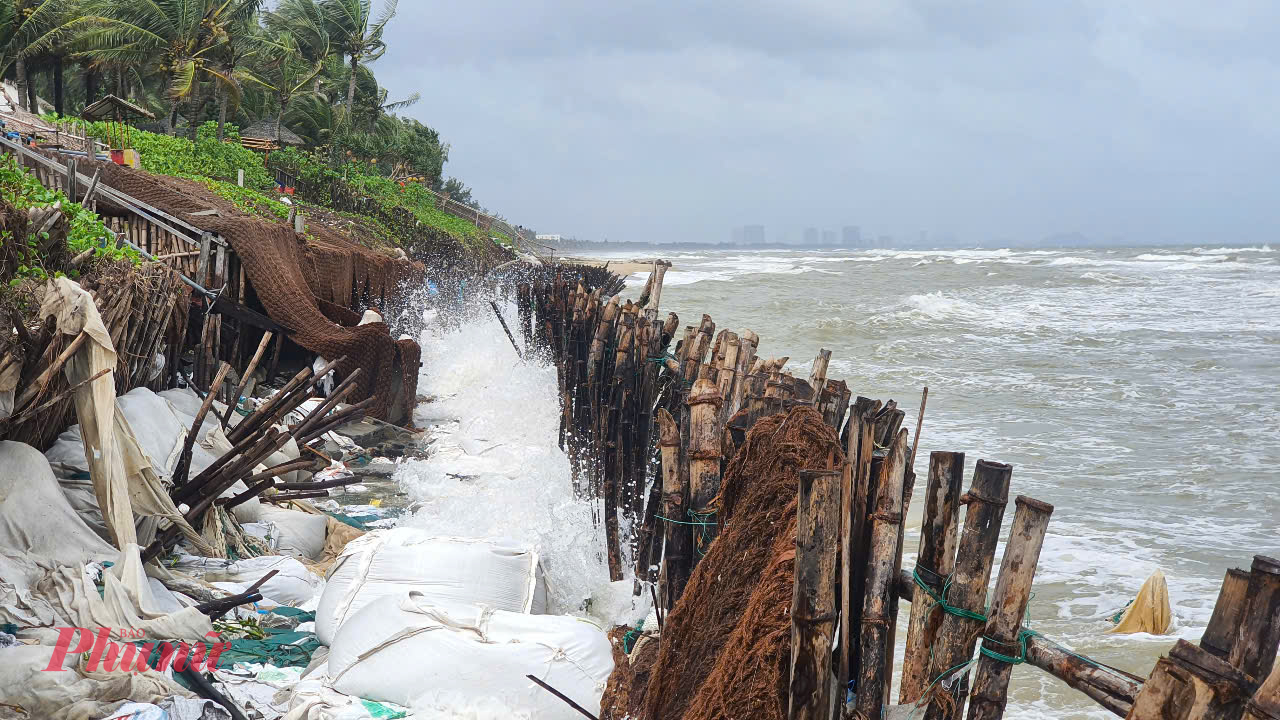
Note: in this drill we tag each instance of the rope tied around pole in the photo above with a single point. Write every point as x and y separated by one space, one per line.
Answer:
700 519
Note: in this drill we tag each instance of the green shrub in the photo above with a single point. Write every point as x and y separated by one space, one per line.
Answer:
22 190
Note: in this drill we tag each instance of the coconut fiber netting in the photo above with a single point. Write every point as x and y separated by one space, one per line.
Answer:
726 645
308 284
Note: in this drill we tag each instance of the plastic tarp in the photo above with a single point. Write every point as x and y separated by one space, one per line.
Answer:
123 479
75 693
404 650
444 570
1149 612
44 547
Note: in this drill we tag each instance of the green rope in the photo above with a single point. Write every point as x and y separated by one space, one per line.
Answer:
941 600
699 520
629 639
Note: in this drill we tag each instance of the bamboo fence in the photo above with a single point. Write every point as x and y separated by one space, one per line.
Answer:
649 432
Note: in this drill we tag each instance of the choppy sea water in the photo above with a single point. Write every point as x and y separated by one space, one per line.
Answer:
1134 389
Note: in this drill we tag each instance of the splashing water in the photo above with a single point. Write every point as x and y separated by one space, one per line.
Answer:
495 469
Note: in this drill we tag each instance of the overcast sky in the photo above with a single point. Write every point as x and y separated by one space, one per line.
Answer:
1143 119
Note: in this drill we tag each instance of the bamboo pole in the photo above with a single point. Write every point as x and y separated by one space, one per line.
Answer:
1220 634
1192 683
1254 650
1265 704
705 436
676 550
813 606
184 460
244 377
875 672
1003 636
967 591
934 562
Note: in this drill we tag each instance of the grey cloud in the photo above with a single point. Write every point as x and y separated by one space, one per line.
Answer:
676 121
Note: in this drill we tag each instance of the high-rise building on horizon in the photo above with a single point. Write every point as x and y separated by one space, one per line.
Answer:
753 235
828 238
811 236
851 236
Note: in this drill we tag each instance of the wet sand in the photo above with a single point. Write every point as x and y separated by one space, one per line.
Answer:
622 267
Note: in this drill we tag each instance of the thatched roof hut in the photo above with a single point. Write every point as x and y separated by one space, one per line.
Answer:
267 132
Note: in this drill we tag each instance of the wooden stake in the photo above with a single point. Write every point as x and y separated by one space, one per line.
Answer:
1265 704
875 673
676 549
855 547
934 562
1254 651
818 376
705 433
1003 634
184 460
1220 635
975 554
1192 684
813 607
244 377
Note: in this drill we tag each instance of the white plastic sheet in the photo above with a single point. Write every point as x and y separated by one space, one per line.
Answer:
403 650
501 575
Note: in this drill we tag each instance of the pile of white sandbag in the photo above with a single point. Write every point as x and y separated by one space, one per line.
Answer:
406 650
448 626
496 574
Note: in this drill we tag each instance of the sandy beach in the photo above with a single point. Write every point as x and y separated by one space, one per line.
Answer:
622 267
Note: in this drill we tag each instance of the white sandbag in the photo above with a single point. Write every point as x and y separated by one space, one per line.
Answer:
292 585
302 534
66 460
445 570
159 432
404 650
35 516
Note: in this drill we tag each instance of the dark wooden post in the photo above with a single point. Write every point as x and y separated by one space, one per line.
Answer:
1192 684
934 563
885 516
675 500
854 546
975 554
813 601
1258 636
1220 635
1265 704
705 441
1003 635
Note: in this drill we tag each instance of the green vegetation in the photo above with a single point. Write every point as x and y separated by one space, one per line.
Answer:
208 67
21 191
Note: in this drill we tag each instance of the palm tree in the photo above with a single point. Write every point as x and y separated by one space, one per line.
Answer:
285 71
22 22
231 59
176 37
351 31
